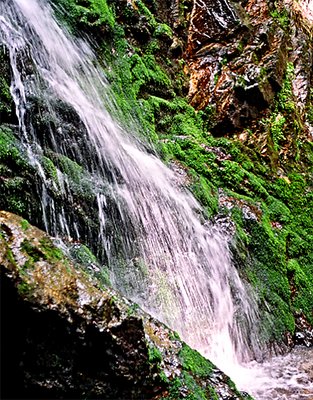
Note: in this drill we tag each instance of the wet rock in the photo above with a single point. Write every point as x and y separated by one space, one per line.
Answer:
303 65
7 114
237 56
210 20
64 337
219 152
250 212
303 335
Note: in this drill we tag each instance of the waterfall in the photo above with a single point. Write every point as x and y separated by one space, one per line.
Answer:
161 251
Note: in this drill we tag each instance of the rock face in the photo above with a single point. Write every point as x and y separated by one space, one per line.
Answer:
6 101
64 336
237 56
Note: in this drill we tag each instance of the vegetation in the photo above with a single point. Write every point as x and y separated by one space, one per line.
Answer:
269 199
282 17
194 362
15 175
277 237
195 368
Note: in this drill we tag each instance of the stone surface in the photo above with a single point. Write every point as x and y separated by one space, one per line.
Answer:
303 335
237 54
7 114
64 336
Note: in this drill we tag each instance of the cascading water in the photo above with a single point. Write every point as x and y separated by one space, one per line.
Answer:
160 253
174 265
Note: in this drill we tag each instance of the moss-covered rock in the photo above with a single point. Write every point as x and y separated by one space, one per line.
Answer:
7 108
17 177
64 336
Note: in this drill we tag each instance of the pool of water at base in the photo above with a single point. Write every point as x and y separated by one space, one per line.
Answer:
287 377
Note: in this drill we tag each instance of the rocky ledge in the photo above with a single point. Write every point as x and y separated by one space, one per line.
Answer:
65 335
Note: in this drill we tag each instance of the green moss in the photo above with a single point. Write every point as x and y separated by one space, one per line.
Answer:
73 170
24 289
9 255
45 251
174 336
132 310
299 275
277 210
153 47
50 251
15 205
25 225
163 30
284 117
144 10
282 315
14 184
16 175
83 255
284 107
79 180
154 355
104 276
7 109
267 265
13 163
186 387
281 17
196 392
10 154
97 13
193 361
33 252
233 173
49 168
88 13
174 390
205 193
277 129
5 97
242 237
285 98
146 71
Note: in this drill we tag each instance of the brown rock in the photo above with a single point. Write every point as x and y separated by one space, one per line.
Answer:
237 56
64 336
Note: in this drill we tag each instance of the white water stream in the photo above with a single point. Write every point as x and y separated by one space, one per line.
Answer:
173 264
